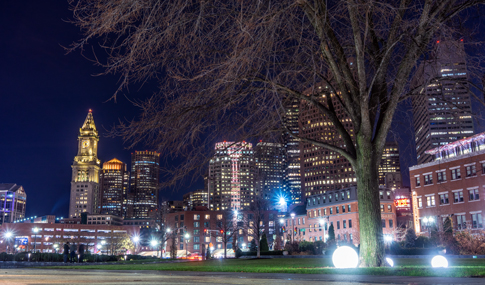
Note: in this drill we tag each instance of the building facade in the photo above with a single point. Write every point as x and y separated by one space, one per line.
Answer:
231 180
50 237
85 171
450 186
144 183
13 201
195 231
442 104
270 160
340 209
114 187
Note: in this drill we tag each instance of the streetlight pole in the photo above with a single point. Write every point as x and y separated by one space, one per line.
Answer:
292 227
322 224
8 236
186 244
428 221
103 242
136 239
35 230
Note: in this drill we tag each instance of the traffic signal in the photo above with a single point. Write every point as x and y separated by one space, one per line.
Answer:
284 229
205 231
221 231
296 229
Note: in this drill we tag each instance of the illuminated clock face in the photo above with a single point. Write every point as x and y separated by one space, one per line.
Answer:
85 144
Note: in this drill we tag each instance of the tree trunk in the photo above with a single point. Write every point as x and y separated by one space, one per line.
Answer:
259 248
225 250
371 239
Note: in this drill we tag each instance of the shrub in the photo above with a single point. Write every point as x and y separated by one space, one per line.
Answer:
266 253
264 244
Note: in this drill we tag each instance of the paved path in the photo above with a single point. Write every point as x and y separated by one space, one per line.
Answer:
70 276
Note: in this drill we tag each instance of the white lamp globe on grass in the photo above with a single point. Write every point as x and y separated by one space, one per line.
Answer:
345 257
390 262
439 261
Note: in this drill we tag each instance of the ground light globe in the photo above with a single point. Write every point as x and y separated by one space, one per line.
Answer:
390 262
345 257
439 261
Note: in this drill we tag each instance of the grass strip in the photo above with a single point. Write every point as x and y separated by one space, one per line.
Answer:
403 267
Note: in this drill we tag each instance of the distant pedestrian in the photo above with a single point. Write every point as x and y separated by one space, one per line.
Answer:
73 251
81 253
66 252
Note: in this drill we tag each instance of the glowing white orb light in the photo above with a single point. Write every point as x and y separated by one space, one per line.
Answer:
439 261
345 257
390 262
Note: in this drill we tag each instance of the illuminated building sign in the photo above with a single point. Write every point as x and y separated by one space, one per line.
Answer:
402 203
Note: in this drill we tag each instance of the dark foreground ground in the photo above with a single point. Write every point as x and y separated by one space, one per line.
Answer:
68 276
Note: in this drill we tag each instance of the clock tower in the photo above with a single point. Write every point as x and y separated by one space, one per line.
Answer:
85 171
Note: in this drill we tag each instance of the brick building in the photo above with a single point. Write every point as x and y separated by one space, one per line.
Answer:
203 228
450 186
340 208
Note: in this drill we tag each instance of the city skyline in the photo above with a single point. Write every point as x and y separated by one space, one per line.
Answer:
41 117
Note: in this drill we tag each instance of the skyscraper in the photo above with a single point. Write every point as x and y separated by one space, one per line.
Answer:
390 167
323 169
144 182
85 171
441 103
13 200
270 162
195 198
231 177
292 179
114 188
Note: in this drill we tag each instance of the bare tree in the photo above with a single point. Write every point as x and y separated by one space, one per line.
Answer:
163 229
255 221
227 229
228 67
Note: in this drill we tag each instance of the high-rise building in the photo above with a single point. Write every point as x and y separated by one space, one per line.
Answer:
441 105
144 182
13 200
231 177
114 179
85 171
323 169
270 162
390 167
195 198
292 179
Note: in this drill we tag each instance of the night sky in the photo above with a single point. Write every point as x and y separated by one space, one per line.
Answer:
45 95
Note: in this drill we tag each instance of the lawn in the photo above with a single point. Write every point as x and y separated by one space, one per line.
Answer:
459 267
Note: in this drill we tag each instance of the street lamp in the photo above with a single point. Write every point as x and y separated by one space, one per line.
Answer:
136 239
154 243
103 242
98 246
35 230
428 221
322 224
8 236
186 241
